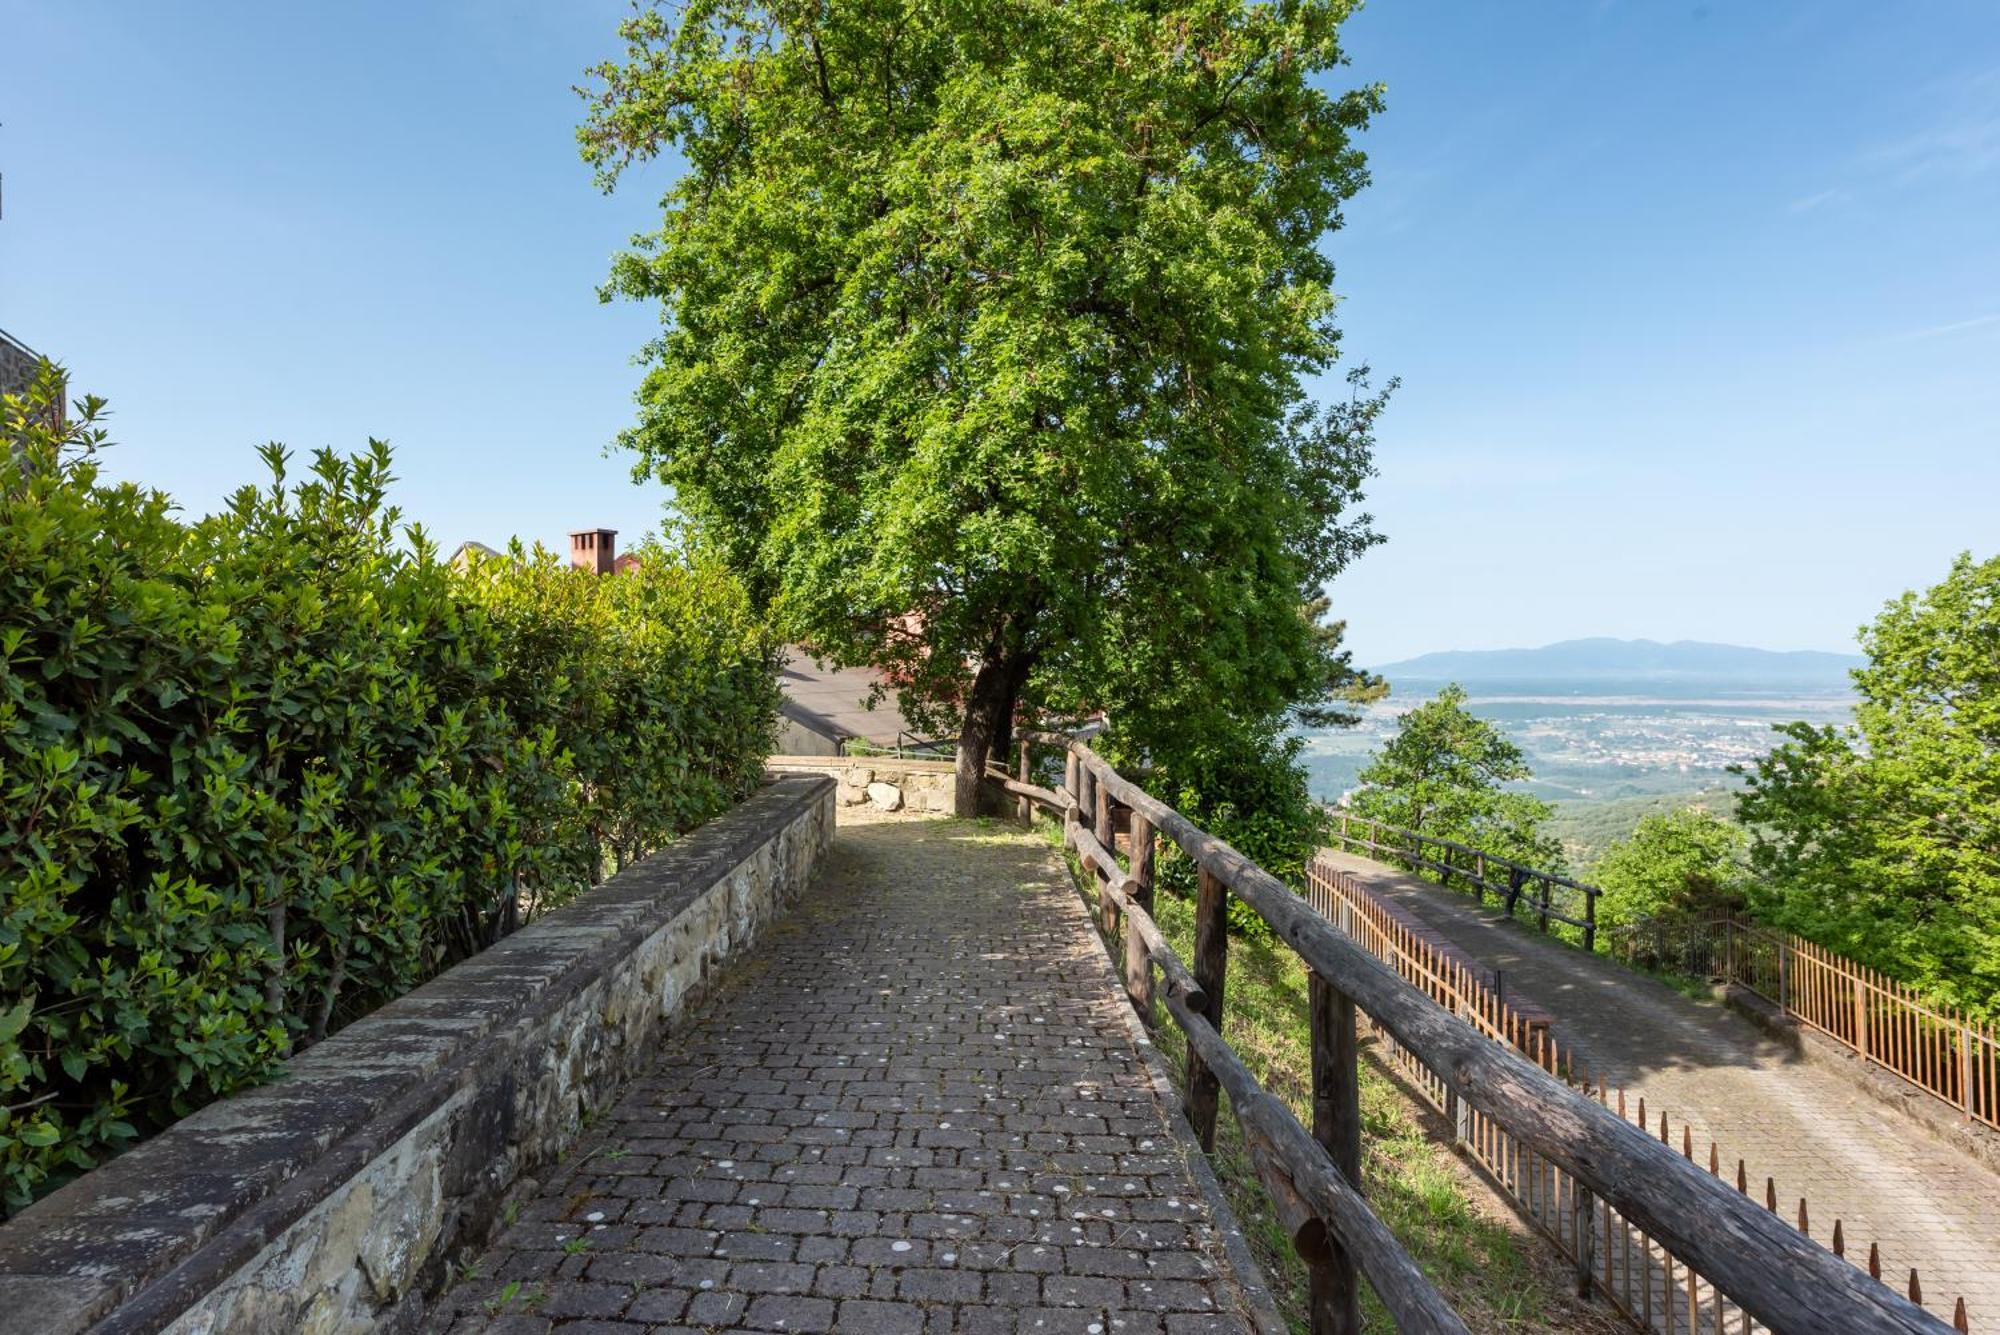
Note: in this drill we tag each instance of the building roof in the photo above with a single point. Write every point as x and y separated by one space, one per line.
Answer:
834 701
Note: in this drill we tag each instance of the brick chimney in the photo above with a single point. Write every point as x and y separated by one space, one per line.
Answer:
594 549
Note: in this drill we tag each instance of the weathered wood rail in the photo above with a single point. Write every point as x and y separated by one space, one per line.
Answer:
1549 897
1781 1279
1612 1258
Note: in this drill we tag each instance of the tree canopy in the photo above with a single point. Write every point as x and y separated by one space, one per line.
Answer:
1443 774
1882 839
987 337
1688 861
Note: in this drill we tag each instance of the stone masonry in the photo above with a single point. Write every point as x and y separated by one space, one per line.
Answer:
922 1106
885 783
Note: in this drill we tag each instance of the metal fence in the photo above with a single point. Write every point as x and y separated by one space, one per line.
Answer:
1933 1046
1526 892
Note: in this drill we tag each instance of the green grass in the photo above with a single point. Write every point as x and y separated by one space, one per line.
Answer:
1495 1278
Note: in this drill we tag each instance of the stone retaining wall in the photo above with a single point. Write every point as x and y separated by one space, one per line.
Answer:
334 1198
883 781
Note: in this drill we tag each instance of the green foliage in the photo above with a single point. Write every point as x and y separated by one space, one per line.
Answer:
1442 775
1676 863
661 684
987 330
261 772
1882 840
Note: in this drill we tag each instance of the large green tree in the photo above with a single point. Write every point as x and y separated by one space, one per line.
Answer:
1445 773
1882 839
988 329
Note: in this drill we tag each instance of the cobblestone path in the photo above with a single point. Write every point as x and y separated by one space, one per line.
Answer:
919 1105
1886 1178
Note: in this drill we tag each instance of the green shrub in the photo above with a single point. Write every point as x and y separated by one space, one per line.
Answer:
661 684
1247 789
1686 863
262 772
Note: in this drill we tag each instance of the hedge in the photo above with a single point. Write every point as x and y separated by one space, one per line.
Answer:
261 772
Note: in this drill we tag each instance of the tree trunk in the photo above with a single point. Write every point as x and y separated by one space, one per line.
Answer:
989 719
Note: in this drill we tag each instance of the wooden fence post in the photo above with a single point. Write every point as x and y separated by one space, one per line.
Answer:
1023 808
1211 964
1336 1298
1516 877
1589 921
1139 963
1070 784
1107 910
1456 1110
1544 905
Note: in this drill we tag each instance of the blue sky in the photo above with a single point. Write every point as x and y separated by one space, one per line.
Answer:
1697 308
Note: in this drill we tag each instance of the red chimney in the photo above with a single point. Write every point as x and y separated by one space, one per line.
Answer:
594 549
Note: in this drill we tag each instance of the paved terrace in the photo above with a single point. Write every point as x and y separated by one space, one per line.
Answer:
1890 1181
922 1106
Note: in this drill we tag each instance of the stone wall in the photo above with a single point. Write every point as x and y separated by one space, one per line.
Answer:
883 781
334 1198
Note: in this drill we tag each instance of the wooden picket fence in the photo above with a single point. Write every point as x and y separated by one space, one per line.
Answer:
1933 1046
1576 1158
1614 1256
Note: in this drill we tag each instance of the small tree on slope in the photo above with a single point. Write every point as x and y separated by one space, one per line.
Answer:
1882 840
1442 774
987 329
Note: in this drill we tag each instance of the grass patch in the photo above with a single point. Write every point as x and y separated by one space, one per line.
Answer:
1495 1278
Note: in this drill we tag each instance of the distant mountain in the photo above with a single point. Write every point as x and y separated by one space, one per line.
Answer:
1632 661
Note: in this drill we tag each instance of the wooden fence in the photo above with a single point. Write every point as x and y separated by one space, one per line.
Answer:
1644 1280
1932 1046
1547 896
1582 1151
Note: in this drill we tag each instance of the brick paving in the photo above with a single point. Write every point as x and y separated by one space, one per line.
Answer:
921 1106
1887 1179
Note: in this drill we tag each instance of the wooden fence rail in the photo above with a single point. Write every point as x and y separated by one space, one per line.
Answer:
1612 1257
1747 1254
1548 896
1933 1046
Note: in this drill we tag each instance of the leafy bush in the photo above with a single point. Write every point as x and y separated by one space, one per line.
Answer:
262 772
1677 863
1248 790
660 683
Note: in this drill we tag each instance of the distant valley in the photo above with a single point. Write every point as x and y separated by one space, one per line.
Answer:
1611 727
